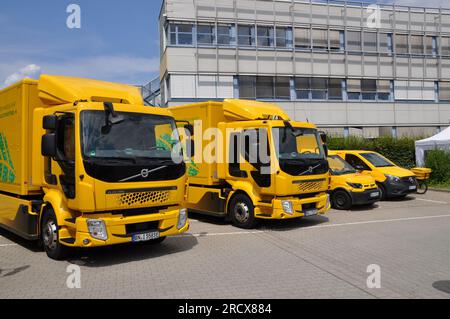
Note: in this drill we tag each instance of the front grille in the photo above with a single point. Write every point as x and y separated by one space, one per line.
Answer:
308 206
311 186
142 227
141 198
409 180
140 211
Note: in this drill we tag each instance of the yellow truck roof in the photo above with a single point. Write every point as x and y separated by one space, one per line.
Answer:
56 90
252 110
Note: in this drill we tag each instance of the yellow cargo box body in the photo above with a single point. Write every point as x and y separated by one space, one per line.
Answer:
16 124
110 178
218 188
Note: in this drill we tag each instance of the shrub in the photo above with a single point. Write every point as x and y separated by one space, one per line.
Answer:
439 162
401 151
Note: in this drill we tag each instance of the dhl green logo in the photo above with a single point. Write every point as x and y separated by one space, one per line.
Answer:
166 142
7 171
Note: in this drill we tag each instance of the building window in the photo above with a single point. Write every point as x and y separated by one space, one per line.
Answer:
385 40
354 89
303 88
320 39
282 88
205 34
430 45
264 87
283 37
354 41
335 89
246 35
370 42
247 86
335 40
225 35
181 34
401 44
265 36
302 38
445 46
417 44
319 89
444 91
384 90
369 90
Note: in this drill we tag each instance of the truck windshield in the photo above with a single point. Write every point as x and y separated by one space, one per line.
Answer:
136 136
377 160
298 143
340 167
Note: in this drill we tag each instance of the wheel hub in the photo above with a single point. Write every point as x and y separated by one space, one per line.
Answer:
50 235
242 212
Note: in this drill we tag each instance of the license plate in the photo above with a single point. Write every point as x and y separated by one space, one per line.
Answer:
375 194
146 236
311 212
412 188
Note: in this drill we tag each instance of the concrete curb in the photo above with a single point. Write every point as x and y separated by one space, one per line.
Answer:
442 190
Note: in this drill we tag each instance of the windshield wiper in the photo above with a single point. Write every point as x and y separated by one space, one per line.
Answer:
112 159
144 173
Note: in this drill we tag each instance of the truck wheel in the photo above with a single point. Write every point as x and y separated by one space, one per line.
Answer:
383 193
49 233
242 212
341 200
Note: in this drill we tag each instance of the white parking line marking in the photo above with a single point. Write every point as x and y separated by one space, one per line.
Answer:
431 201
313 227
8 245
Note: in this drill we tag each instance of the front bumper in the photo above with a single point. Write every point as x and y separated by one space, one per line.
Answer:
398 189
165 222
300 206
365 197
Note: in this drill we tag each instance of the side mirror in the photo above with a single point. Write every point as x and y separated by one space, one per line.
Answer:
48 145
49 122
325 148
189 128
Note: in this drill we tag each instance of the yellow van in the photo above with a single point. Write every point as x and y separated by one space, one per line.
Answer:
392 180
348 187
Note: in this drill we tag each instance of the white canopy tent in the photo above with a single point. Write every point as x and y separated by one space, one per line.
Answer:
440 141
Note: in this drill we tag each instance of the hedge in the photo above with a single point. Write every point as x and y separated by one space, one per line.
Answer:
439 162
401 151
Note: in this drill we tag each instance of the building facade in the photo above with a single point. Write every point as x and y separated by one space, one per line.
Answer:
350 67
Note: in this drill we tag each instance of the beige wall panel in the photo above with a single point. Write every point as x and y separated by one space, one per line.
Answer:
283 11
416 113
353 16
207 60
301 13
387 19
337 62
264 11
285 63
370 113
386 68
206 9
337 15
225 9
266 62
402 67
445 25
320 64
370 66
181 60
354 65
401 20
431 68
180 9
247 61
417 21
246 9
227 61
445 69
432 21
417 70
319 14
303 63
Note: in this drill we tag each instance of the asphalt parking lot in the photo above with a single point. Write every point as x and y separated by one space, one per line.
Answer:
318 257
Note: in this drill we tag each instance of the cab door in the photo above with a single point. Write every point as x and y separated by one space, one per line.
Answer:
358 163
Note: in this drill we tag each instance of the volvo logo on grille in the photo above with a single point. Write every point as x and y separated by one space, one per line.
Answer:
310 170
411 179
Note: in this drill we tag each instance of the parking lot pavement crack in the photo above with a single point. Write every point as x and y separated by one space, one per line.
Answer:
273 240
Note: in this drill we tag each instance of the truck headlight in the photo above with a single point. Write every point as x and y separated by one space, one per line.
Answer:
182 218
392 178
355 185
288 208
97 229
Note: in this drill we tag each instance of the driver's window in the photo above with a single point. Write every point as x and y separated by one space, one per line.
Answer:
356 162
66 143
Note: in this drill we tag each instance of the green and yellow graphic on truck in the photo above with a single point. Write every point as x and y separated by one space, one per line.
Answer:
7 174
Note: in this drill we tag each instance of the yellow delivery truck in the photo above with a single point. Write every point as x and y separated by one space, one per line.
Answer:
250 161
84 163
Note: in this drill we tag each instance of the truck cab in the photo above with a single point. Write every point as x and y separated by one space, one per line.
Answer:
265 167
99 167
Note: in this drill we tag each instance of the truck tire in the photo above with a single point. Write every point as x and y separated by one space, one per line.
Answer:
49 235
242 212
341 200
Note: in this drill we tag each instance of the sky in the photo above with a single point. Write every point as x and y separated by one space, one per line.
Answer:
118 40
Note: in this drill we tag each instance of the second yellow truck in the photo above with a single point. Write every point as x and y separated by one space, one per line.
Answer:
263 165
